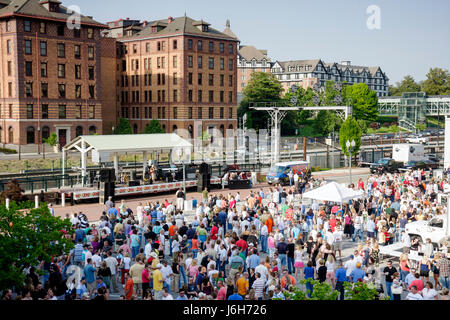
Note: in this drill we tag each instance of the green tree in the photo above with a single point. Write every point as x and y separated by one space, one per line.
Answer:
361 291
437 82
262 87
363 125
325 122
153 127
123 127
349 131
52 139
408 84
28 235
363 100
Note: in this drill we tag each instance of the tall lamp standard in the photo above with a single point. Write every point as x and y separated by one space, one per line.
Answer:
350 147
181 158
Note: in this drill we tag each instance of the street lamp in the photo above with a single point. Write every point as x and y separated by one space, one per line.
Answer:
350 147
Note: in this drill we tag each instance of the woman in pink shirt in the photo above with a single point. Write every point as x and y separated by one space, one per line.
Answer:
193 269
271 245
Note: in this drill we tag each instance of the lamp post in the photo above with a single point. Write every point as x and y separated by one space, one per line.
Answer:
350 147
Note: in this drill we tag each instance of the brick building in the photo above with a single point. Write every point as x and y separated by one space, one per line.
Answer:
54 77
181 72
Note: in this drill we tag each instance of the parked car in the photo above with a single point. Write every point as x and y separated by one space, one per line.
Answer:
416 139
414 165
432 164
385 165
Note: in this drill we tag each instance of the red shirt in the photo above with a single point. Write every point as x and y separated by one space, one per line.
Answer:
213 233
242 244
418 283
332 224
360 185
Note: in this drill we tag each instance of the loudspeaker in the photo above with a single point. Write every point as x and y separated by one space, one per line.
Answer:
104 175
134 183
204 168
112 175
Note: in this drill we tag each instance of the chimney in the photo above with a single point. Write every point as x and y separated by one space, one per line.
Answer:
170 20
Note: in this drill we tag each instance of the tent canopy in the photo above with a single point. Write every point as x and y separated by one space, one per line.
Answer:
333 191
131 143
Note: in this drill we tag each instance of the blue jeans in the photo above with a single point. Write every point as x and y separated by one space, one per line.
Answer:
182 274
195 252
340 288
263 241
357 232
445 282
283 258
403 275
134 252
290 263
310 288
388 289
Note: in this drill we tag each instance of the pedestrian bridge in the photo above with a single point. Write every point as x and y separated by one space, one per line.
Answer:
412 108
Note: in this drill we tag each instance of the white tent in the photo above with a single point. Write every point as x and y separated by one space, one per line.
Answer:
333 191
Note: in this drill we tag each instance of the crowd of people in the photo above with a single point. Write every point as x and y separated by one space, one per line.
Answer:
252 248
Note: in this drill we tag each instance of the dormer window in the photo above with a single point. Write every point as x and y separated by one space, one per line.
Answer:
253 63
264 62
205 28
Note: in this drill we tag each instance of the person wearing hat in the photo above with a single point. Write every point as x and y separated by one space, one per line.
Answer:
100 283
357 274
158 282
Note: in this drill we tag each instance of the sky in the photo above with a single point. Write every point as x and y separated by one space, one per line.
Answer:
413 35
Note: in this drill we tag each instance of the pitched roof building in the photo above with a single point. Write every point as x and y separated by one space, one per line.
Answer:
305 73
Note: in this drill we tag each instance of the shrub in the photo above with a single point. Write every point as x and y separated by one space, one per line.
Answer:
7 151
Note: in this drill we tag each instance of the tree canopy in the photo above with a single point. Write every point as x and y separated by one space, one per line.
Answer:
437 82
123 127
363 100
27 236
408 84
350 130
153 127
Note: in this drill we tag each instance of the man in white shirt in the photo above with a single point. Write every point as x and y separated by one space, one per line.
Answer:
414 294
112 263
262 269
96 260
74 220
166 295
350 265
167 274
148 249
329 237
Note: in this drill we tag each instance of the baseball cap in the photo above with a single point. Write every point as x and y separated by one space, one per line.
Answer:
352 256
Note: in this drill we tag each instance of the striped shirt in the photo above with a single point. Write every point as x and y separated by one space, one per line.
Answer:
259 285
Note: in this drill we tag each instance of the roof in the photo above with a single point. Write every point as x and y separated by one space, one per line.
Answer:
250 52
181 25
228 31
299 63
34 8
130 143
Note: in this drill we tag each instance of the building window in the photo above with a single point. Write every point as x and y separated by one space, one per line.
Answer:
43 47
78 91
147 47
77 33
190 78
211 113
190 44
29 89
91 91
42 27
200 62
211 63
222 80
27 26
78 71
175 62
8 47
44 89
230 113
222 48
77 50
60 30
8 25
30 135
90 33
78 111
62 111
211 46
190 113
230 96
175 112
44 69
222 94
91 53
28 68
175 44
28 48
200 79
61 70
190 95
175 95
78 131
222 113
190 61
92 112
61 50
9 89
230 64
44 111
29 111
62 90
211 79
200 45
10 110
211 96
230 48
92 130
200 112
175 78
230 81
45 133
91 72
222 63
